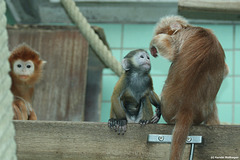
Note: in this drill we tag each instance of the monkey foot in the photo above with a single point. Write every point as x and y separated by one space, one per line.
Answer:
120 126
143 122
157 116
155 119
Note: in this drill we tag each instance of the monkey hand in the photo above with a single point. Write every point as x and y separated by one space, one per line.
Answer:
17 112
157 116
19 109
120 126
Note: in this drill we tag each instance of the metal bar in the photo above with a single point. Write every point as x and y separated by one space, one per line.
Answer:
162 138
191 151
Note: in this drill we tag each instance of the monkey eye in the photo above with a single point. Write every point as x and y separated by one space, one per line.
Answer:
141 56
19 65
28 66
148 57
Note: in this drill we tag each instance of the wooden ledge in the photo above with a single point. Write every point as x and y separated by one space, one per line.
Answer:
214 5
56 140
210 9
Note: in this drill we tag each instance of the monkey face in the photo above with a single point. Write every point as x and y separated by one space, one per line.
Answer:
137 60
157 44
162 44
23 69
142 60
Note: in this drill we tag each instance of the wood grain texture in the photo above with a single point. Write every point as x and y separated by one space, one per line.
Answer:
210 9
60 95
43 140
215 5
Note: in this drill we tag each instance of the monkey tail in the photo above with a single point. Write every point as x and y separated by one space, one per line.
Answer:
184 121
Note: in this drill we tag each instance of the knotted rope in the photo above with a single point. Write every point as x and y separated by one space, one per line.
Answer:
101 50
7 132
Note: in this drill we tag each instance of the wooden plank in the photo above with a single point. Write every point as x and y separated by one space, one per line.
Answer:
85 140
214 5
210 9
60 95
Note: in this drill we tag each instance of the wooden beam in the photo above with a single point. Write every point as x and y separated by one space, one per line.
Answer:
210 9
43 140
96 11
214 5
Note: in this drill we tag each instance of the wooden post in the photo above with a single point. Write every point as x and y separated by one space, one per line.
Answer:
43 140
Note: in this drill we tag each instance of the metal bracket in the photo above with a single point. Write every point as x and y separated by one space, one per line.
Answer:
162 138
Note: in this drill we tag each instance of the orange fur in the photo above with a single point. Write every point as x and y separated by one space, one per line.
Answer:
170 24
195 76
23 90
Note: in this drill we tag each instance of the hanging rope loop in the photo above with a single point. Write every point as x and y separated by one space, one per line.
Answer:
101 50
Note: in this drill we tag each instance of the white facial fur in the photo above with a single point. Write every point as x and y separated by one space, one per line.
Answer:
142 59
23 68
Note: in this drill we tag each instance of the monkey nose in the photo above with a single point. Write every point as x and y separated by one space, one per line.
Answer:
154 51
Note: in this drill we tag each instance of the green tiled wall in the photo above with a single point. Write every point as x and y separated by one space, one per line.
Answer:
113 33
237 41
123 38
237 91
224 33
236 114
117 54
237 62
225 112
137 36
105 111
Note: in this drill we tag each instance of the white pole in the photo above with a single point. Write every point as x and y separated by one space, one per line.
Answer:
7 132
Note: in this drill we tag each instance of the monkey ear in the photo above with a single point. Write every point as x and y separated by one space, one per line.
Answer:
125 64
175 26
43 63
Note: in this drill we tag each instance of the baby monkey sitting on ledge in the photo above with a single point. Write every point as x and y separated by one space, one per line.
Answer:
133 94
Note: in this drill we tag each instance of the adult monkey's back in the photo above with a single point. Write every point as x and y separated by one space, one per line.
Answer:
195 76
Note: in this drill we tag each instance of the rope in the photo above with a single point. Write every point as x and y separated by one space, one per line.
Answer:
101 50
7 132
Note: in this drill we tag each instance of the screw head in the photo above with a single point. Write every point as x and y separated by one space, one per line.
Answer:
161 138
189 139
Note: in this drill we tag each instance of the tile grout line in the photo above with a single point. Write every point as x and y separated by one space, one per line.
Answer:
233 72
164 75
132 48
122 38
229 103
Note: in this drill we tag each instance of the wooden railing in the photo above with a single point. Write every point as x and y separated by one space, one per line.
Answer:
55 140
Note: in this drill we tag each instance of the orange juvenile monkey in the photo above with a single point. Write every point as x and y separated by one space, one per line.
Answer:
195 76
26 70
